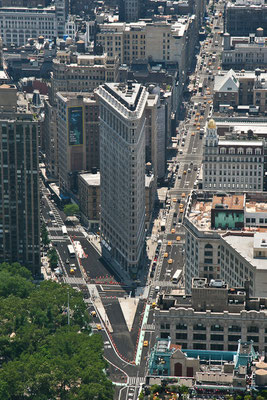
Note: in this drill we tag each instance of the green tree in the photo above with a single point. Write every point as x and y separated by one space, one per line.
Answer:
141 395
41 356
44 235
71 209
53 258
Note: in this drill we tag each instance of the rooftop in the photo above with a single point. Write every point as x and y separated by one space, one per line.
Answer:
236 202
91 179
249 143
244 245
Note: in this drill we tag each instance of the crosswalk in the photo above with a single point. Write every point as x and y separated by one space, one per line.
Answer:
73 280
136 380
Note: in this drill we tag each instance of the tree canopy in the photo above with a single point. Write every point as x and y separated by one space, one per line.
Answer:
42 357
71 209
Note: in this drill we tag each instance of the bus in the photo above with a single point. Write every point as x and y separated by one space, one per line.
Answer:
176 276
64 230
71 250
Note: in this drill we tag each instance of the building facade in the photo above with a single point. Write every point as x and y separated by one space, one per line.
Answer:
78 137
89 198
18 24
82 72
19 182
244 17
157 41
122 167
214 317
222 241
232 165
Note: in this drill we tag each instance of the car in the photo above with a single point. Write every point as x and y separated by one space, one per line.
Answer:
152 274
98 327
67 261
155 259
184 172
145 343
189 170
195 168
179 177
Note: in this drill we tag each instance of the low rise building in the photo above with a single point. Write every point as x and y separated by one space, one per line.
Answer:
89 198
215 317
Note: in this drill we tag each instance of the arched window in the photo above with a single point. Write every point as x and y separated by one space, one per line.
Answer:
240 150
249 150
222 150
208 246
232 150
258 151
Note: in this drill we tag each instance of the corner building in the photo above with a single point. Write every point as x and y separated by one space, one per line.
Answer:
122 168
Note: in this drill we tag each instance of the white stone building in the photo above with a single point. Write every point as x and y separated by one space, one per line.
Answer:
232 165
18 24
122 168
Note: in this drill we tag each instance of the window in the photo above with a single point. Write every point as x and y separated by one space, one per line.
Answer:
216 328
181 327
253 329
199 346
181 335
216 337
254 338
199 336
216 346
234 328
233 338
199 327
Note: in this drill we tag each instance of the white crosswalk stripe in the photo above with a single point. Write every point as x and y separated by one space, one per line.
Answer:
136 380
73 280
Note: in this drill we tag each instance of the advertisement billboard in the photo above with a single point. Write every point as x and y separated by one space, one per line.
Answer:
75 126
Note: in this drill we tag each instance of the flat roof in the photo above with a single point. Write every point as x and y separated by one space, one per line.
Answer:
233 202
91 179
249 143
244 246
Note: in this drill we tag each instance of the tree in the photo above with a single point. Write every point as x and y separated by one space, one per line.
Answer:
141 395
53 258
44 235
71 209
42 357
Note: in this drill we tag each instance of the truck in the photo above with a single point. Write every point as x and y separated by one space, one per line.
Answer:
64 230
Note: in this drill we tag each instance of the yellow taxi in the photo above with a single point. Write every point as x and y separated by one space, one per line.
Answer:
193 134
174 200
153 305
166 255
169 243
93 313
72 271
183 195
170 261
145 343
173 230
178 238
184 172
98 327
